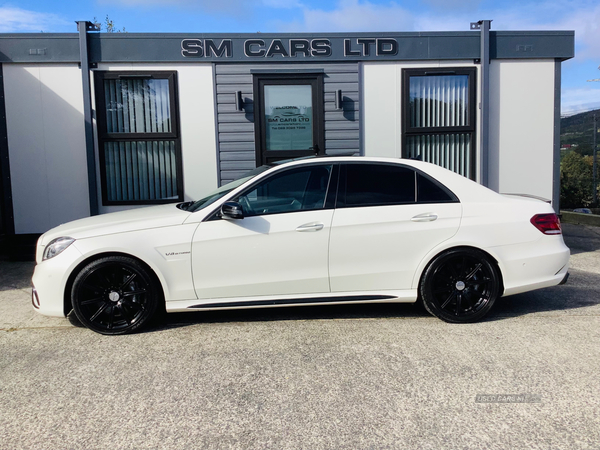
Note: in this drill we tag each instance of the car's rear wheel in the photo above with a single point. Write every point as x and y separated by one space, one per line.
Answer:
115 295
460 285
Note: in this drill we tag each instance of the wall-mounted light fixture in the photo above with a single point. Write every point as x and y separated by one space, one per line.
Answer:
338 99
239 101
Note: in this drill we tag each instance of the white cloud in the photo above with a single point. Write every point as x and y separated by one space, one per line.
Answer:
352 15
283 4
447 5
229 7
21 20
580 99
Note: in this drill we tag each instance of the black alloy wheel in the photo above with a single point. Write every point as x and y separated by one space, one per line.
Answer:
460 285
115 295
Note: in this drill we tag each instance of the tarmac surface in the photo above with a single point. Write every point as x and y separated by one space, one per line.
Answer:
345 377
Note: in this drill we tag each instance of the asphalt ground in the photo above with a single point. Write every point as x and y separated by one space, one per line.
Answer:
346 377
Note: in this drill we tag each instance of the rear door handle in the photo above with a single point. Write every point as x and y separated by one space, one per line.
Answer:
426 217
312 226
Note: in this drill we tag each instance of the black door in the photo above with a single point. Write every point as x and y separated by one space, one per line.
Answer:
289 118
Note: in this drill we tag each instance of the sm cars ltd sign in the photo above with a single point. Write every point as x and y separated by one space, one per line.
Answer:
290 48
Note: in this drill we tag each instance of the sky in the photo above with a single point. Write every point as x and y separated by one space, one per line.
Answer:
244 16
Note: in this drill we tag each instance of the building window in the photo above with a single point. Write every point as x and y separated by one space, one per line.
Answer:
439 117
139 140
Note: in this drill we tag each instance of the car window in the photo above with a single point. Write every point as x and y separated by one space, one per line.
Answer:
292 190
429 191
224 190
376 184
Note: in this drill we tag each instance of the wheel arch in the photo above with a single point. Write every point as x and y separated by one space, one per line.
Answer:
426 262
67 307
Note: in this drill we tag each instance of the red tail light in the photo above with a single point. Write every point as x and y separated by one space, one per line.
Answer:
547 223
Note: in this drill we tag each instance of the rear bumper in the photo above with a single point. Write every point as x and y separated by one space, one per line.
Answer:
536 265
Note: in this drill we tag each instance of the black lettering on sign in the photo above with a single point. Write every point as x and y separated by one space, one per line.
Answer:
348 49
192 47
277 48
299 46
254 47
366 45
321 47
222 50
387 47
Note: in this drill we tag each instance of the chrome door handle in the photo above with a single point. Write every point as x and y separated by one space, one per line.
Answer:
313 226
427 217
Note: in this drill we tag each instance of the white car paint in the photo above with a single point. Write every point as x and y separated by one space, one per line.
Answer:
376 253
387 243
275 254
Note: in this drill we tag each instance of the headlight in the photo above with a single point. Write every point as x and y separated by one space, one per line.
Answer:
56 246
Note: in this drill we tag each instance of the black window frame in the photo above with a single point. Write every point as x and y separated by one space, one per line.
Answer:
264 156
409 131
340 199
104 136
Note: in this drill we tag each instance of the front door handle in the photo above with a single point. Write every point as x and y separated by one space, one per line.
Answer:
312 226
426 217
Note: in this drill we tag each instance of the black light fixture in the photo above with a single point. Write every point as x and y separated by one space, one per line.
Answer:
239 101
338 99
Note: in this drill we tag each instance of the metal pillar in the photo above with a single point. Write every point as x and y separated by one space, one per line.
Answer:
595 165
6 206
484 27
83 28
556 140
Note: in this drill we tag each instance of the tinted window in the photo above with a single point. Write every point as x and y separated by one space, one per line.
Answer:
430 192
292 190
377 184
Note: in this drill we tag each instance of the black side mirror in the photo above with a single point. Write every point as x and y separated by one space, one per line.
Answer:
232 210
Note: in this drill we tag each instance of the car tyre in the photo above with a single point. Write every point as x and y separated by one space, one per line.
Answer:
115 295
460 285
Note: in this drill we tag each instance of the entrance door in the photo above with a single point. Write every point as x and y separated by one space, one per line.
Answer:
289 118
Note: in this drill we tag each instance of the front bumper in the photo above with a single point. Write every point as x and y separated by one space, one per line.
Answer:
49 281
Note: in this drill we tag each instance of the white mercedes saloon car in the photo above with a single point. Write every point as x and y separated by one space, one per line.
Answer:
331 230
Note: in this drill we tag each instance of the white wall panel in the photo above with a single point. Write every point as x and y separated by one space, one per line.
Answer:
197 122
382 87
522 127
382 84
46 141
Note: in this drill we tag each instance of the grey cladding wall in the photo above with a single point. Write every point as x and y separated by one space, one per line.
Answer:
236 147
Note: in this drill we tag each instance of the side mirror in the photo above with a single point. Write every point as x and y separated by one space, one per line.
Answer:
232 210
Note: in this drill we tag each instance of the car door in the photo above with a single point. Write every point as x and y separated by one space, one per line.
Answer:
280 247
388 217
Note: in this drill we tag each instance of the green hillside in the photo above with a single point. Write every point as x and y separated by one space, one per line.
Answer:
577 130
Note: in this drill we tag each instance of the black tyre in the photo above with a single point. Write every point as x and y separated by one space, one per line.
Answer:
460 285
115 295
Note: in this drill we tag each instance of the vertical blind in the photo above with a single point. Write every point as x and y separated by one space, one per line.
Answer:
142 168
137 106
440 101
452 151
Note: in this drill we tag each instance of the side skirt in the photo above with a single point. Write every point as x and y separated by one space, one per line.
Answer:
293 301
408 296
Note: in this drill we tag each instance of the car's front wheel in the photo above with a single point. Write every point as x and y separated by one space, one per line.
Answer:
115 295
460 285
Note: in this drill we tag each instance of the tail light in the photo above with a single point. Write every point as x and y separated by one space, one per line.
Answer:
547 223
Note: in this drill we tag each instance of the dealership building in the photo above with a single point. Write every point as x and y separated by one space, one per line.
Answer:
92 122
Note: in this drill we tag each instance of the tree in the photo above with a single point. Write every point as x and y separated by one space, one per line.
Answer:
576 181
109 26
